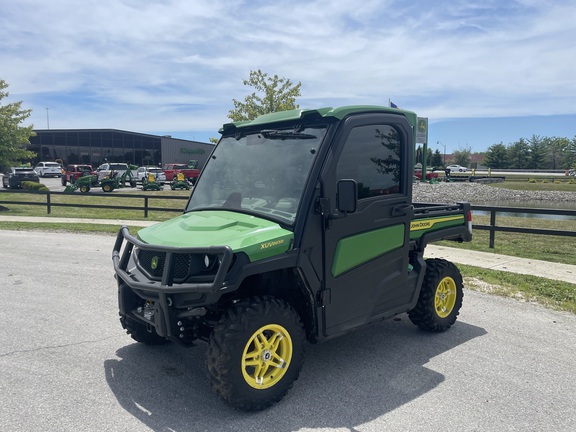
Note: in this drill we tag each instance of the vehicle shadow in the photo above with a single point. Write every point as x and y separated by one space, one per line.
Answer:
344 383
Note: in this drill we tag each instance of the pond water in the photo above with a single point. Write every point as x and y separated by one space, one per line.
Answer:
559 205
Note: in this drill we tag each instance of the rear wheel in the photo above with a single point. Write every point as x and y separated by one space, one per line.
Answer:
256 352
440 297
107 187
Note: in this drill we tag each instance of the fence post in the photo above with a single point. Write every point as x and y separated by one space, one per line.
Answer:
146 207
492 228
48 203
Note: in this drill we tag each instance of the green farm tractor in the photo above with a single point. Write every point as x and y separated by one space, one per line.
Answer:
113 181
83 183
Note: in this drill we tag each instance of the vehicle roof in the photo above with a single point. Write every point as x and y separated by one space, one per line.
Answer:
326 112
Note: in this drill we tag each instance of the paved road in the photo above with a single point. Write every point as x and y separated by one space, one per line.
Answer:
66 365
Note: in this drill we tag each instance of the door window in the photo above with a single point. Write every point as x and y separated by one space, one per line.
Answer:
372 157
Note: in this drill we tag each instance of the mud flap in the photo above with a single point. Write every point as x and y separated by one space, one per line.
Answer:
160 321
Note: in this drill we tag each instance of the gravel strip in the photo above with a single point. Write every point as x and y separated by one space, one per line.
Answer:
480 194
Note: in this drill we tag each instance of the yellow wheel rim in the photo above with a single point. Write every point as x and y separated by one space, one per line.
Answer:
267 356
445 297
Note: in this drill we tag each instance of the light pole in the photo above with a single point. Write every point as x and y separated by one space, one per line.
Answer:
442 144
47 118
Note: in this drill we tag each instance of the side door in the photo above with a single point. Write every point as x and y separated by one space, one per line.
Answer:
366 252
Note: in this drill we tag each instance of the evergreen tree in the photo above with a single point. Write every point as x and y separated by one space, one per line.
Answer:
538 153
519 154
496 156
436 159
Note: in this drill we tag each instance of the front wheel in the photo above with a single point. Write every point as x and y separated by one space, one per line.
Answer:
84 189
107 187
256 352
140 333
440 297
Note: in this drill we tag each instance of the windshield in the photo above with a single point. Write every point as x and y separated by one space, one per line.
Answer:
261 173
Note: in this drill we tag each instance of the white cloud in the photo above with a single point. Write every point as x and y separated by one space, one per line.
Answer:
161 65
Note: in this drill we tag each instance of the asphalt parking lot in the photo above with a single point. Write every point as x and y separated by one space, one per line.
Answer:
68 366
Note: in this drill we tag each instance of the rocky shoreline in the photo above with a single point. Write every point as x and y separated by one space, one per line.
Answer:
481 194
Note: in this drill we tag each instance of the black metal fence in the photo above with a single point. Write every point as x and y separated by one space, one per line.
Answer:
493 227
146 208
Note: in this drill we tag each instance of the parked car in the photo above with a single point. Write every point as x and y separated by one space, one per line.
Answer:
45 169
429 174
105 169
144 171
456 168
13 179
75 171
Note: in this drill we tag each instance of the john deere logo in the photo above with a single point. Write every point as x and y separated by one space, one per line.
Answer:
421 126
154 263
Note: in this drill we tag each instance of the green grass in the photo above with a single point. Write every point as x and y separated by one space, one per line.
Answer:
79 228
546 248
554 294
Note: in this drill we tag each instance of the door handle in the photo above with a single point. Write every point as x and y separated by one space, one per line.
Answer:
402 209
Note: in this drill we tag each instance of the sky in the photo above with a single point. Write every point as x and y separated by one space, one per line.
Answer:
482 72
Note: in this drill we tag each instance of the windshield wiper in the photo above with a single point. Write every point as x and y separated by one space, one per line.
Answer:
279 134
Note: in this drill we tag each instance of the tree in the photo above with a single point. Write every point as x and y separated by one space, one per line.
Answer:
436 159
13 138
496 156
538 153
519 154
462 156
570 159
276 94
559 150
418 155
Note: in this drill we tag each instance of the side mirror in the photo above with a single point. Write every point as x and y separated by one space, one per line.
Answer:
347 197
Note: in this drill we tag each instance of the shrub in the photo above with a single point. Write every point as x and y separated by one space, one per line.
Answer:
545 181
532 180
34 186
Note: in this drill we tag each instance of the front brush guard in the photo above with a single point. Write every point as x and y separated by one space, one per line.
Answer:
166 285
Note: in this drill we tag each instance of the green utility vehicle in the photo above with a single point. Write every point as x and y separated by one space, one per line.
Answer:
301 227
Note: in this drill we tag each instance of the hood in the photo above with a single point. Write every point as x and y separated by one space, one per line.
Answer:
258 238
